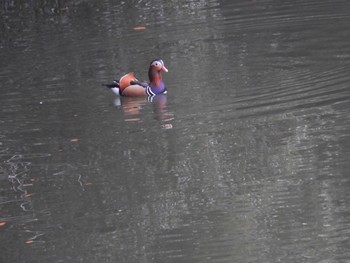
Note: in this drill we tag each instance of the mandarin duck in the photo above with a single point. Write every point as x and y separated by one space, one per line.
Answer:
129 86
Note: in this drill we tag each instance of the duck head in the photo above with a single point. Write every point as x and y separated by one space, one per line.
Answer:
158 65
155 78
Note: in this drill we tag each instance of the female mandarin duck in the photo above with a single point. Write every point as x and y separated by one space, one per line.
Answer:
129 86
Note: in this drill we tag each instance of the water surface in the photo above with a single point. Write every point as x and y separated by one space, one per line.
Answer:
244 160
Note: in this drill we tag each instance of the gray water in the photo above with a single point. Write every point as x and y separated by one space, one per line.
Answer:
246 159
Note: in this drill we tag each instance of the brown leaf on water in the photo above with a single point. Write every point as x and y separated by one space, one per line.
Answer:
139 28
29 241
2 223
132 119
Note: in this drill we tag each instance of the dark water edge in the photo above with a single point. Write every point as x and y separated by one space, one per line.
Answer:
245 160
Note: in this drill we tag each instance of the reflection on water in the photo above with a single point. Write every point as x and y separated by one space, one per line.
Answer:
244 160
133 109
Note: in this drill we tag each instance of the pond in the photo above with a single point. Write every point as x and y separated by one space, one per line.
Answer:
245 159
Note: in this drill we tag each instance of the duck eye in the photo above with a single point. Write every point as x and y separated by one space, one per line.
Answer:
156 64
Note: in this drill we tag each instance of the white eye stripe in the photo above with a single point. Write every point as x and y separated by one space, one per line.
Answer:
158 63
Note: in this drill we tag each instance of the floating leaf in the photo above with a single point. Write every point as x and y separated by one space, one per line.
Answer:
139 28
132 119
2 223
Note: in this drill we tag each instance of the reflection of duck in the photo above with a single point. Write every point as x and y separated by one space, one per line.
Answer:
132 108
129 86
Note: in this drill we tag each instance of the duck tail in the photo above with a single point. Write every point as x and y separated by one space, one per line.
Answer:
115 84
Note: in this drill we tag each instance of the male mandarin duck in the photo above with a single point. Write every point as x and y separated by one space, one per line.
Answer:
129 86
